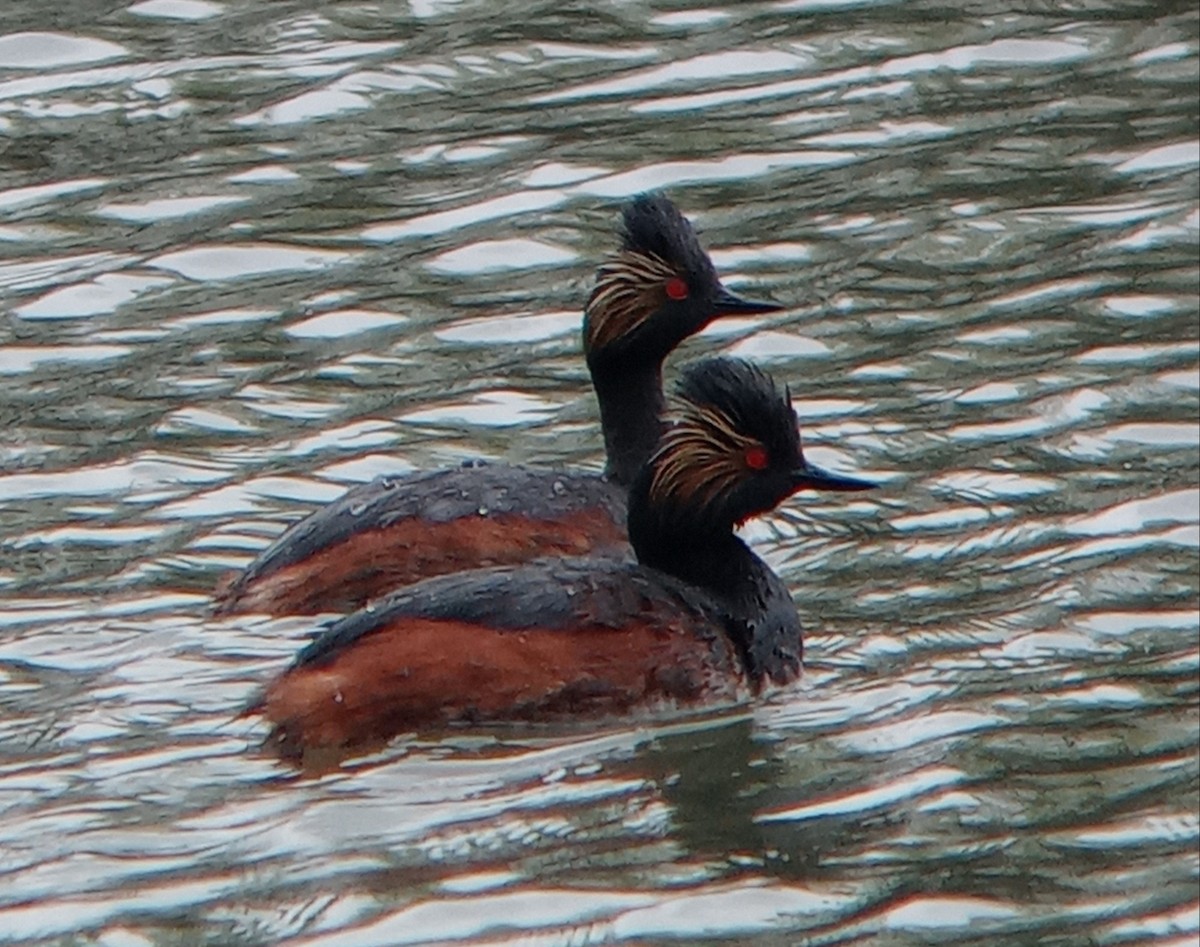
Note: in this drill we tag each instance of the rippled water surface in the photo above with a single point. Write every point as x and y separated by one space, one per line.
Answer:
252 253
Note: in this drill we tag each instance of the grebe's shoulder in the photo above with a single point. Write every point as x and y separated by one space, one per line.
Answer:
551 594
462 493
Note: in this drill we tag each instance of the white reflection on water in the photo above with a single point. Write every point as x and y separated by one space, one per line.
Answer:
237 261
341 323
1182 154
930 914
264 174
167 208
47 50
443 221
905 787
20 359
104 294
177 9
725 65
735 167
490 256
21 197
491 330
1001 52
488 408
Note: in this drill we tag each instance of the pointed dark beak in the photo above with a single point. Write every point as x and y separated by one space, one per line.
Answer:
808 477
730 304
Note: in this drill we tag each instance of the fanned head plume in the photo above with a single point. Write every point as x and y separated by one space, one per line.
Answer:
658 290
732 448
654 226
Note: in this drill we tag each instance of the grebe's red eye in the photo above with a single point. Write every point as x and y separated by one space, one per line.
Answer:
756 458
676 288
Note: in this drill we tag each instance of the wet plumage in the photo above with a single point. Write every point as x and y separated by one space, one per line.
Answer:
699 619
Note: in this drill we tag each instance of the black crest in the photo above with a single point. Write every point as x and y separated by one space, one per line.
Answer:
748 397
729 452
651 223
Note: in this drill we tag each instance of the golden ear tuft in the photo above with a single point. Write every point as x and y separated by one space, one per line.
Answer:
629 289
700 458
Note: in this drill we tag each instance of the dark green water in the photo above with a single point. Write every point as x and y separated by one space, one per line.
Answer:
252 253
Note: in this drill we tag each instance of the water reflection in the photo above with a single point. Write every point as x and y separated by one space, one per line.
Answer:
249 260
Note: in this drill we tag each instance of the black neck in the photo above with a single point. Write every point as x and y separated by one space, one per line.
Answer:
631 408
761 616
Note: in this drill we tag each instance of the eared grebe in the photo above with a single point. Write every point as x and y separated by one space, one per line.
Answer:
657 291
699 619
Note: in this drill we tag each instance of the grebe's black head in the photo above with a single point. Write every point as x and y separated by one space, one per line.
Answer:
658 290
731 452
